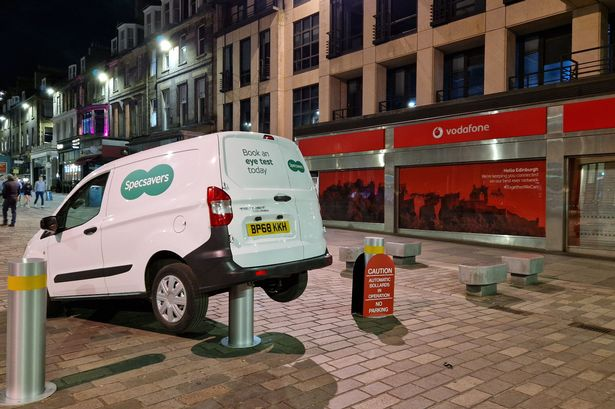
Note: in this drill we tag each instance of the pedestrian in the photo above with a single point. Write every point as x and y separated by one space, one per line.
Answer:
20 183
39 189
10 193
27 193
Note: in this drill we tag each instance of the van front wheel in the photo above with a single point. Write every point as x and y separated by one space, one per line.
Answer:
286 289
176 301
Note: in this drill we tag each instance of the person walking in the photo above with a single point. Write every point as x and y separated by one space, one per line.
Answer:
39 189
27 193
10 193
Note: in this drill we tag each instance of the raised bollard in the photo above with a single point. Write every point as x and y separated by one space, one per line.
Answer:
241 318
372 246
25 343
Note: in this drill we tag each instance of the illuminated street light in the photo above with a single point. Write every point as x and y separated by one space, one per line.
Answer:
102 77
164 44
25 106
50 91
2 118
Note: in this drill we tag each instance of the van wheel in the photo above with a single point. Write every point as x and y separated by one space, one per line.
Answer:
286 289
54 308
176 301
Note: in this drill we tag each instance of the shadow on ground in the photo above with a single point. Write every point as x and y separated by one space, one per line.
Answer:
388 329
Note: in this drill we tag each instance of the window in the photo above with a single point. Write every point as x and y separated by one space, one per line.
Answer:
244 62
166 109
165 60
182 49
153 66
346 33
114 46
201 40
185 9
72 71
157 25
245 123
401 88
305 106
463 74
148 24
153 112
544 58
116 78
82 63
264 113
166 14
175 16
445 11
192 7
264 55
299 2
182 104
227 116
131 38
354 96
84 205
201 99
305 43
394 18
227 69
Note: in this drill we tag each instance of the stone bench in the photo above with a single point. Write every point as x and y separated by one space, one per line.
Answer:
350 255
403 253
482 280
524 268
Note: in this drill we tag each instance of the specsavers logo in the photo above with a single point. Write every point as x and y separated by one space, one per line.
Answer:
296 166
153 183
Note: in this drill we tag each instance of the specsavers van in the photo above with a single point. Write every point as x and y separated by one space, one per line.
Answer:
185 221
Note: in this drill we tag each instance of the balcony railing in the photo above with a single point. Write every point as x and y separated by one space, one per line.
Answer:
392 104
244 78
239 16
447 94
226 81
264 72
567 70
446 11
386 30
338 44
340 114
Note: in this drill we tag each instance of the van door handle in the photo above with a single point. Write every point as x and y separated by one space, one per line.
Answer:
90 231
282 198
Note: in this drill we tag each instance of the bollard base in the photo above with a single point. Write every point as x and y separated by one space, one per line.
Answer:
255 341
50 389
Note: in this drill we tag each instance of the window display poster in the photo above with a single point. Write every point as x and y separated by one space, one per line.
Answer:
491 198
352 195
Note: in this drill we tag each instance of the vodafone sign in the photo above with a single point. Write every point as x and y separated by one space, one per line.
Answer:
504 125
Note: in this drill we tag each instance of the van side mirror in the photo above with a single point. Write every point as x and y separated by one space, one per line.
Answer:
49 224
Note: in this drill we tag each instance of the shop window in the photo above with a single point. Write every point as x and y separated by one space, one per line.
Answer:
305 43
305 106
463 75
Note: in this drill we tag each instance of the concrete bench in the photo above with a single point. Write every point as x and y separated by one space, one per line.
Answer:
524 268
482 280
350 255
403 253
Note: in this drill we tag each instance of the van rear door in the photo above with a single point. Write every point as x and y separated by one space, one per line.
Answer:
267 226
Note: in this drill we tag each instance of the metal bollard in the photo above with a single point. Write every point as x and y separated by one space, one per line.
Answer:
25 344
372 246
241 318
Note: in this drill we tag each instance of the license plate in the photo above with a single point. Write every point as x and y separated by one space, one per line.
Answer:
266 228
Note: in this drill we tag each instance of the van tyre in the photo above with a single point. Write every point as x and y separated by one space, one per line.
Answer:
176 301
288 288
54 308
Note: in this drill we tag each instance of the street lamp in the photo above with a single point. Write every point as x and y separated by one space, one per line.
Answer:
50 91
2 118
102 77
164 44
25 106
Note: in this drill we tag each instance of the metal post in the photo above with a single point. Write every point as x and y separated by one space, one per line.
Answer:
241 318
372 246
25 344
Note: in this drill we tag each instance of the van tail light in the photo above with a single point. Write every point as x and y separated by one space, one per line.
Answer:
220 209
268 137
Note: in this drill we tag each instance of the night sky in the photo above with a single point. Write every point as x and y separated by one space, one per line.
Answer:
54 33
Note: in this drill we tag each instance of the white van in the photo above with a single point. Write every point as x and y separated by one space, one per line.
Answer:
184 221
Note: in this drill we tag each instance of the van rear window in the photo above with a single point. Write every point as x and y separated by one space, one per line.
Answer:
255 163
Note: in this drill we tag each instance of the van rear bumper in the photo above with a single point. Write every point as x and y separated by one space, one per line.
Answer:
215 270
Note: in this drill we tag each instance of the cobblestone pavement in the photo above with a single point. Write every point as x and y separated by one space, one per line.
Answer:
547 346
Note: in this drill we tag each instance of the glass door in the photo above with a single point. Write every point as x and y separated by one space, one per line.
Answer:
591 203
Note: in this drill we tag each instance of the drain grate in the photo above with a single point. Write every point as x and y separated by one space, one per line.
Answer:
511 310
590 327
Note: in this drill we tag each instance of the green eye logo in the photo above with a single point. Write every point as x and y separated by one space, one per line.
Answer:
296 166
153 183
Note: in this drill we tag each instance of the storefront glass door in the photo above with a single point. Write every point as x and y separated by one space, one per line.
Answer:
591 204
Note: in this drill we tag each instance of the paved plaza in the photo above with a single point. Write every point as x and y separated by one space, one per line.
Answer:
545 346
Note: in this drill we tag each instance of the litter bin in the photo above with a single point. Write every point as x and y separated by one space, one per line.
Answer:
95 196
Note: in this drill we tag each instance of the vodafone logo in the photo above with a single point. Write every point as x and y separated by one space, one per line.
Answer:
438 132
